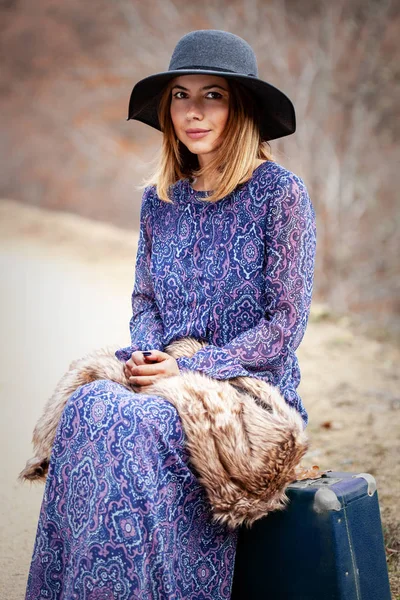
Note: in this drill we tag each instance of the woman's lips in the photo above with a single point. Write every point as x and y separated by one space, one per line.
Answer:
196 134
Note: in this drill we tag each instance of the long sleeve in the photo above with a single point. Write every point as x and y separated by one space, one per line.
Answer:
263 350
146 326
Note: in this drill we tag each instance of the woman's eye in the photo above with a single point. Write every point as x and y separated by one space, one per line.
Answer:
179 95
214 95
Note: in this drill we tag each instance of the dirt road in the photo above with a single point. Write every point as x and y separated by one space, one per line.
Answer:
66 286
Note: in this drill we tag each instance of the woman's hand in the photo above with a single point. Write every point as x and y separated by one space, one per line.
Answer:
142 370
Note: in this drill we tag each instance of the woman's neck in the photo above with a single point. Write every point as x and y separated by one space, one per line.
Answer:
204 184
208 183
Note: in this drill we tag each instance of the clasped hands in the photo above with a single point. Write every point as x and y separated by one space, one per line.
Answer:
145 368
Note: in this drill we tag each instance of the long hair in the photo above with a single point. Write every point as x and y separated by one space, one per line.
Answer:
234 159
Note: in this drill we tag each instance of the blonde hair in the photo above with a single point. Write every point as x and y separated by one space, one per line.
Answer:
241 143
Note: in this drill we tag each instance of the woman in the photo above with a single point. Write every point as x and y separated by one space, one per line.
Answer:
225 256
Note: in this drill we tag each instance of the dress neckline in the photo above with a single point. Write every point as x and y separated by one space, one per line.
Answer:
199 195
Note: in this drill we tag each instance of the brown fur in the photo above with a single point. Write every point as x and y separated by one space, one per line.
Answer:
244 440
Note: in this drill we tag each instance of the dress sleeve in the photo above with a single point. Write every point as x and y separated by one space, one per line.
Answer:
146 326
291 242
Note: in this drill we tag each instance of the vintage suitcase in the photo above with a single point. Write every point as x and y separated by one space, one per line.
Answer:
327 545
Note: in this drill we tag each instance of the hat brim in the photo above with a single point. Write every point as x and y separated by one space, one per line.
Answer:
277 115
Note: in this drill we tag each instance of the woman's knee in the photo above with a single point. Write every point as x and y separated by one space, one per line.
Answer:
97 388
99 403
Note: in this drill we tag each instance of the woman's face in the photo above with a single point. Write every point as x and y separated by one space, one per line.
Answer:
199 112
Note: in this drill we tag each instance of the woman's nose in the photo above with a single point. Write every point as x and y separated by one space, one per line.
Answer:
194 111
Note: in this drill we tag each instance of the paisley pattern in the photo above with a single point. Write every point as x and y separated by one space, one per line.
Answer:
123 515
237 273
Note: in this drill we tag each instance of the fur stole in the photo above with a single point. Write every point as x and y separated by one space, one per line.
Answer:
244 440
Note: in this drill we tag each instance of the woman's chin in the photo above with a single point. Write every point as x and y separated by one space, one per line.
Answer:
200 146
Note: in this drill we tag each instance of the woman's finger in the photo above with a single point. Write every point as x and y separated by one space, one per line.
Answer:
158 364
156 355
137 358
146 370
149 357
141 382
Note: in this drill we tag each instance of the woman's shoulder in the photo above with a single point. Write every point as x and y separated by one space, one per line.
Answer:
149 202
277 186
177 190
150 197
270 173
149 192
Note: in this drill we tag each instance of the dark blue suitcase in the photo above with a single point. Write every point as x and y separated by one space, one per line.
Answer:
327 545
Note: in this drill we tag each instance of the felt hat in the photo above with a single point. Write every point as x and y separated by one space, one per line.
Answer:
213 52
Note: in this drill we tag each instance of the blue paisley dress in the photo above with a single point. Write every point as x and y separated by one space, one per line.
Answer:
123 516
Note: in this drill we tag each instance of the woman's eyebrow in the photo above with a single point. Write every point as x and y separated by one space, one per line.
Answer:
206 87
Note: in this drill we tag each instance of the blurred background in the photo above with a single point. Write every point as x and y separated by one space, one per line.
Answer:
69 67
71 167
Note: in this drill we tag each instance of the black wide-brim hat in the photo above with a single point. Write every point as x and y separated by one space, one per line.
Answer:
213 52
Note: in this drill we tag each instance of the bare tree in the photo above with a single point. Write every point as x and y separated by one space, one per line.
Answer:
65 87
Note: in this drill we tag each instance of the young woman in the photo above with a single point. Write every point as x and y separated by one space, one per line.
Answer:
225 256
